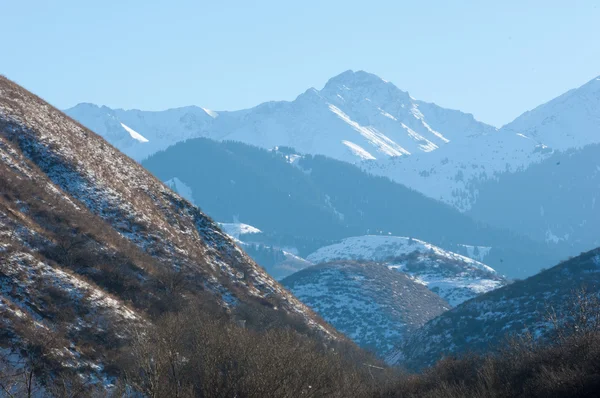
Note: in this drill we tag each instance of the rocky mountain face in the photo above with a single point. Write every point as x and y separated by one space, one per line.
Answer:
371 304
91 245
486 321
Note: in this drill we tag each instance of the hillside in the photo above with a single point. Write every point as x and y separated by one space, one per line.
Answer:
306 202
373 305
453 277
553 201
568 121
486 321
92 245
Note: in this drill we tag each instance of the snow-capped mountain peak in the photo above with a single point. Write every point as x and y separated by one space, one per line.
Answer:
355 116
350 79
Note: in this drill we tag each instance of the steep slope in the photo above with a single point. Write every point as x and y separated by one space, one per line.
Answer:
571 120
370 303
364 117
453 277
484 322
452 175
553 201
306 202
92 243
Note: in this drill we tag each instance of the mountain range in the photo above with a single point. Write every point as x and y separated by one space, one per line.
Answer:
362 119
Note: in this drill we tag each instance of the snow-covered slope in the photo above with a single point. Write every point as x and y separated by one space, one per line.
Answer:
484 322
571 120
356 116
454 174
453 277
140 133
373 305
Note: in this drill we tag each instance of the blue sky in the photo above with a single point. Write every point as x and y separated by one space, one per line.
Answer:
493 59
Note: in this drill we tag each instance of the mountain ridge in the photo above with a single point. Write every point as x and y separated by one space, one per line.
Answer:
93 246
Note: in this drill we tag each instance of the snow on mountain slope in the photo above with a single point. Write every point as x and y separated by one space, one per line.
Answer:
373 305
356 116
452 175
571 120
484 322
140 133
236 229
453 277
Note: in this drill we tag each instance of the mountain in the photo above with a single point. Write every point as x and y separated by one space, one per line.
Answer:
453 175
453 277
303 202
91 245
360 118
552 201
357 116
568 121
484 322
139 133
368 302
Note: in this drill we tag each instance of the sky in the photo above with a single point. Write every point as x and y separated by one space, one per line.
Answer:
494 59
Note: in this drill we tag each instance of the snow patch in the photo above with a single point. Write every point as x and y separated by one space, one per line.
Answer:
376 138
358 150
210 113
134 134
236 229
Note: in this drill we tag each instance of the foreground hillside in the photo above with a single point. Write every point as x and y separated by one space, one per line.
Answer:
93 246
522 307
